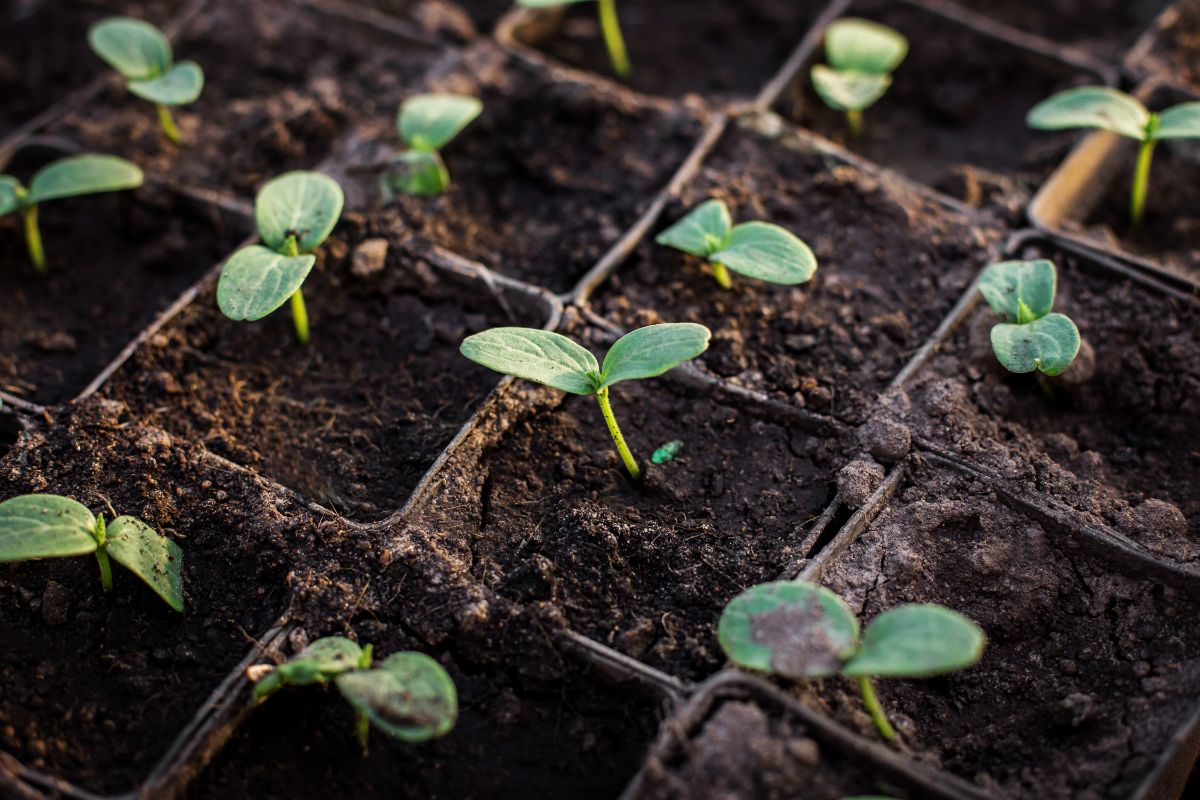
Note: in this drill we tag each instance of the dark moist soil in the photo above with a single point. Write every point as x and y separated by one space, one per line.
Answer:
1105 28
1170 229
743 750
954 117
832 344
115 261
1175 53
721 51
458 20
351 421
46 54
282 81
1121 447
547 178
1086 673
543 514
93 689
532 721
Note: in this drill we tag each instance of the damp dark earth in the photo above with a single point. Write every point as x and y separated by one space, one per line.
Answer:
636 399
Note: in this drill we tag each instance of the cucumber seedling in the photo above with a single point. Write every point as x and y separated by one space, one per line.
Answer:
861 57
610 27
554 360
1032 337
295 213
754 249
66 177
801 631
35 526
1112 110
427 123
142 55
408 695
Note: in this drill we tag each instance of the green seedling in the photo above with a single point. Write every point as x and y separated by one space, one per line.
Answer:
427 123
1112 110
35 526
554 360
142 55
610 26
754 249
67 177
802 631
295 213
862 56
1031 338
408 695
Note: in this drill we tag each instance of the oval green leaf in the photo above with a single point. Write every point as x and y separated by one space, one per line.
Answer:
430 121
767 252
1179 122
917 641
45 526
415 172
650 351
701 232
1091 107
85 174
848 91
1009 285
134 48
323 659
794 629
408 696
860 45
535 355
256 280
148 554
301 204
1049 344
180 86
10 199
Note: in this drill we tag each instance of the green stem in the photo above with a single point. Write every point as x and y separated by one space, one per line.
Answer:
362 728
611 27
721 273
102 554
33 239
167 123
854 121
623 449
874 709
300 316
1141 180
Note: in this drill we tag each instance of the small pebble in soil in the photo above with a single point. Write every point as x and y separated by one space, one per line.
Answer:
886 440
56 604
369 258
858 480
1082 368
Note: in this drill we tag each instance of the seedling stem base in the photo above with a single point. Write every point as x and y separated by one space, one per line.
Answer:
606 409
1141 179
721 273
611 27
167 123
854 121
300 316
33 239
875 709
106 582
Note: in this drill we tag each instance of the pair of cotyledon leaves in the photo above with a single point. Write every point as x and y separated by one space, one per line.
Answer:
555 360
297 209
861 56
69 177
1113 110
755 249
427 123
49 526
408 696
799 630
1033 338
143 56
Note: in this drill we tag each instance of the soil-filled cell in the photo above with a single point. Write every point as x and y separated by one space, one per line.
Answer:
832 344
1120 446
282 82
353 419
114 263
94 687
954 117
1086 674
720 51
